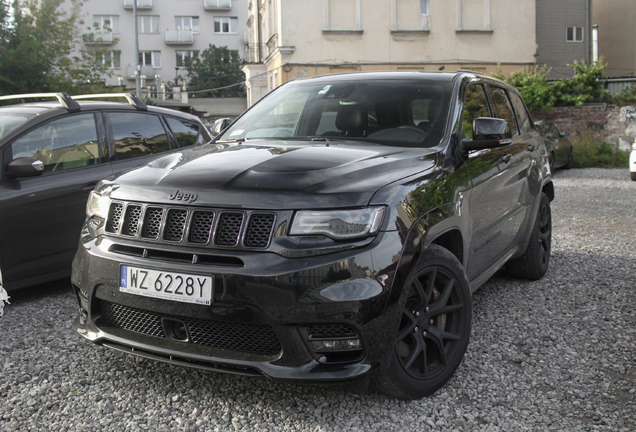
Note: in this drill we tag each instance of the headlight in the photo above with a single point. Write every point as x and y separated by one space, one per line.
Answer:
338 224
97 205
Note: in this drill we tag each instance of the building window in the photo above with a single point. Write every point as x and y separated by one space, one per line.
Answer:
182 56
110 59
225 25
424 7
150 58
273 80
187 23
574 34
148 23
107 22
473 15
342 15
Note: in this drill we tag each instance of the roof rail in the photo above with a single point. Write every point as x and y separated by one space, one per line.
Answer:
65 100
472 71
132 98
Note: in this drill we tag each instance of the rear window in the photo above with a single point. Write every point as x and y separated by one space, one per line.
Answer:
11 121
138 134
186 132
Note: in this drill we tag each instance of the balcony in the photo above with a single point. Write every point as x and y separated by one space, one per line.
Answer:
217 5
252 53
100 37
141 4
179 37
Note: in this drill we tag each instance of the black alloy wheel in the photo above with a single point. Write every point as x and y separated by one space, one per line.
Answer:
434 327
535 261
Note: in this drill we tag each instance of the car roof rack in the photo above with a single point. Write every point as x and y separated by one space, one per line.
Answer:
132 98
65 100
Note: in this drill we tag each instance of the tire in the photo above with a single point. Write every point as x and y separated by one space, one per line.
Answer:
534 262
434 328
570 163
633 175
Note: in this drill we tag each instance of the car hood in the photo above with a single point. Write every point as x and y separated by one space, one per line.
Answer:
270 174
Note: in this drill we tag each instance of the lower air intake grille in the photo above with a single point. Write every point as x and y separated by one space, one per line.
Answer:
248 338
331 331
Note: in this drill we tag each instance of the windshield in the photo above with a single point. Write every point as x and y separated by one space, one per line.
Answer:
410 113
12 121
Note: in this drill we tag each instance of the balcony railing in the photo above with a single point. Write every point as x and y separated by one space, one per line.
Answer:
179 37
141 4
253 53
98 37
217 4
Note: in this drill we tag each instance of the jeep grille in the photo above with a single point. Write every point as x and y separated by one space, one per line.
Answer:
189 225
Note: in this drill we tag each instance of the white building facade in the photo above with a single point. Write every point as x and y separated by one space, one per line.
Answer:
290 38
169 32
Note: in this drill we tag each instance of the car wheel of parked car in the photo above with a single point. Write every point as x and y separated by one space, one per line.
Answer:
534 262
434 327
633 175
570 162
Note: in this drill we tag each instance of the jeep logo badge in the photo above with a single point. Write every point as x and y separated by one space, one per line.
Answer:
184 196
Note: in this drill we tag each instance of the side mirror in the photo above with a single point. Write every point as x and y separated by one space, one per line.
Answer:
25 167
488 132
220 125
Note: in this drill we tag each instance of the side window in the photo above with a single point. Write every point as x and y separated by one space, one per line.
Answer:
525 125
503 109
187 133
475 105
137 134
63 144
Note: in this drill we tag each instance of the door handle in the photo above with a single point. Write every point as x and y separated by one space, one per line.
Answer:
88 187
506 158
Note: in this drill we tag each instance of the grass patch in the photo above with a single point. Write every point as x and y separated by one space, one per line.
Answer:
589 152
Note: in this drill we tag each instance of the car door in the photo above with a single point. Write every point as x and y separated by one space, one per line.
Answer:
497 181
41 217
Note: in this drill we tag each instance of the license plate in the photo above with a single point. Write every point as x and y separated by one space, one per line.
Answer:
181 287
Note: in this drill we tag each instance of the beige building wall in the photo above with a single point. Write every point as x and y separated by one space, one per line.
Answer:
616 20
307 38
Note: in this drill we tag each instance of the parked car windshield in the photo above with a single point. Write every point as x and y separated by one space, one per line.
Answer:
11 121
410 113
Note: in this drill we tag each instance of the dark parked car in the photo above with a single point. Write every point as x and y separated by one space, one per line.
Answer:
558 145
334 232
52 154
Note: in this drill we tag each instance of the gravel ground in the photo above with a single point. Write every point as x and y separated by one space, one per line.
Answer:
557 354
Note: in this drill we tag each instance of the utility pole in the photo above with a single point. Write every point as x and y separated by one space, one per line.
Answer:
137 65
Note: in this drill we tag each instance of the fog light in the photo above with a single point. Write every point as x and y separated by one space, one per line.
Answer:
336 345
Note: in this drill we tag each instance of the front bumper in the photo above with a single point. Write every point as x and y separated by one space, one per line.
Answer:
283 318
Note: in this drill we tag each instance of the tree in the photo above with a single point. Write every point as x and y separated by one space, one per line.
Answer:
215 68
37 49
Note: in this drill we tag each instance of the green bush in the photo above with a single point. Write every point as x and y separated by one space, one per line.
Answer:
539 94
590 153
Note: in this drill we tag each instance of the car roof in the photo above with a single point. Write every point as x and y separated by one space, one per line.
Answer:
67 103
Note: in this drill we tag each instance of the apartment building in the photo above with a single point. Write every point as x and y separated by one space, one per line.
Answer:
564 35
169 31
616 20
290 39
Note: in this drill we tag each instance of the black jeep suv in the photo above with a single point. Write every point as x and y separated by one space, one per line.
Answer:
334 232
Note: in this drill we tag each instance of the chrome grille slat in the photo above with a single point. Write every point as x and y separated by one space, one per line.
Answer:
191 225
229 229
175 224
201 226
152 222
131 220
